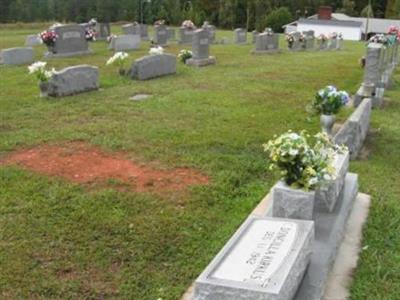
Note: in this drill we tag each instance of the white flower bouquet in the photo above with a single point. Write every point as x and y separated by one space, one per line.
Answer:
184 55
118 58
39 70
157 50
304 162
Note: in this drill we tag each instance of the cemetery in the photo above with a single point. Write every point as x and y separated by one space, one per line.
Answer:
186 162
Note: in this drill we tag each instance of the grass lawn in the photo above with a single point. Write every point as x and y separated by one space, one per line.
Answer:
60 240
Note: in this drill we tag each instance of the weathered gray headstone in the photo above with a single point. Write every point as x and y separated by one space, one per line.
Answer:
144 32
255 34
322 44
201 49
240 36
332 44
33 40
171 34
309 42
297 43
125 42
153 66
73 80
355 129
71 41
186 35
16 56
267 42
103 30
327 195
211 31
265 259
160 35
131 28
372 75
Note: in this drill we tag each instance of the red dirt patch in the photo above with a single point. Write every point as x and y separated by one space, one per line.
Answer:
81 163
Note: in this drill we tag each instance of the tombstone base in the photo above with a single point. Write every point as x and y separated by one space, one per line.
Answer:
329 232
201 62
78 53
262 52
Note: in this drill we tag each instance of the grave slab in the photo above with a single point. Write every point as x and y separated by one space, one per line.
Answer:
17 56
329 233
33 40
265 259
127 42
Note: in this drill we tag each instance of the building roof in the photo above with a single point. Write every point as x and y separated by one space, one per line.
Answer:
375 25
346 23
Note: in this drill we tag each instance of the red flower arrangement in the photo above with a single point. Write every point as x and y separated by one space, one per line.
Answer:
90 34
49 37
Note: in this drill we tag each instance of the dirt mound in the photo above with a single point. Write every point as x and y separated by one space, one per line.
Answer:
82 163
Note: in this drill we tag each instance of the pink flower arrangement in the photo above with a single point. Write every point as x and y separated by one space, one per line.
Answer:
188 24
90 34
48 37
322 37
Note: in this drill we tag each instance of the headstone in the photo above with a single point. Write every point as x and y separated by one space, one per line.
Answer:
327 195
153 66
17 56
103 31
267 42
309 42
70 42
322 44
265 259
171 34
144 32
126 42
297 43
160 35
240 36
255 34
73 80
372 76
354 131
186 35
131 28
211 31
332 44
33 40
201 49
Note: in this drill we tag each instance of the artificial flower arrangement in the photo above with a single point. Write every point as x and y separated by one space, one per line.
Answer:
48 37
304 161
39 70
156 50
333 35
184 55
42 74
379 38
322 37
269 31
110 37
188 24
329 100
290 39
90 34
340 36
159 22
327 103
118 58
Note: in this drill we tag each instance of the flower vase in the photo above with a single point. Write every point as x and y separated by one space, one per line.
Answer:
44 89
327 122
292 203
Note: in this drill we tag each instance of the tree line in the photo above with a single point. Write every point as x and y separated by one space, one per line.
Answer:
252 14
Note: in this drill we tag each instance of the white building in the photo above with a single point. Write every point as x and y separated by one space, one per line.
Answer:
352 28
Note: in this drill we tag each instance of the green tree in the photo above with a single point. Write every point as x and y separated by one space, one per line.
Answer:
277 18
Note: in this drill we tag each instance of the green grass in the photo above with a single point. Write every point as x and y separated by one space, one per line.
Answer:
65 241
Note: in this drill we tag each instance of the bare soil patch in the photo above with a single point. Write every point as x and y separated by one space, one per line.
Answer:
82 163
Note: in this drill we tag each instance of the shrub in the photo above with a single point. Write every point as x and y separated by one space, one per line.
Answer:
277 18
